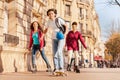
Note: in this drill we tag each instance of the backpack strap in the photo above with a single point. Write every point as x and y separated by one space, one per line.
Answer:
61 27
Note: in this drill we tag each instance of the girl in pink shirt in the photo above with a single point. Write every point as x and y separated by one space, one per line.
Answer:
72 44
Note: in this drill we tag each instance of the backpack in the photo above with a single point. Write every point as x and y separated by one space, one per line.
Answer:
59 35
61 27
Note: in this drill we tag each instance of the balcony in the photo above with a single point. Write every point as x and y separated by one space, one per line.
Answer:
86 1
9 1
91 35
11 39
42 2
87 33
68 0
83 2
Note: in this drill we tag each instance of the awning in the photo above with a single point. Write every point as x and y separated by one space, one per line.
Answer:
96 58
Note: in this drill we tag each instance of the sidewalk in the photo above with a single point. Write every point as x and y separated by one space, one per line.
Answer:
86 74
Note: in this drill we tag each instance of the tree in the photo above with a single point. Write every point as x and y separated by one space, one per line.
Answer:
113 45
118 3
114 2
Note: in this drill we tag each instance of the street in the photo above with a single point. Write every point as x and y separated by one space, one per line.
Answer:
86 74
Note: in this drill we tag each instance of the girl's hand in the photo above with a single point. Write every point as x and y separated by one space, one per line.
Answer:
40 49
28 49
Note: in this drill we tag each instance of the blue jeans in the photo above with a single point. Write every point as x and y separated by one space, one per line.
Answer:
34 50
58 54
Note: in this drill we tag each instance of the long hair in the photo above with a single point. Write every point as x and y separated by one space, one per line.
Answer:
39 27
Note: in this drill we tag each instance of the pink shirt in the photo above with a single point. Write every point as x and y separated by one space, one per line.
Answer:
72 40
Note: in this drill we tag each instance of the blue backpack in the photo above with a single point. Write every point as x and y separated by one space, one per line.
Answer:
60 34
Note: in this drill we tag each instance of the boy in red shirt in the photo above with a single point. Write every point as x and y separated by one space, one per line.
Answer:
73 46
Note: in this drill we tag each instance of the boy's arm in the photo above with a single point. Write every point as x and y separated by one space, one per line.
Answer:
82 41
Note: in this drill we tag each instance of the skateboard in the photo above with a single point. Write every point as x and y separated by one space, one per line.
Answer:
58 73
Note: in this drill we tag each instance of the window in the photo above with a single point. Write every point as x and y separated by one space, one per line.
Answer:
67 10
86 26
80 27
80 9
86 14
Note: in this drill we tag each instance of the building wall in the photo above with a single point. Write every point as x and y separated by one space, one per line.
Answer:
13 55
90 27
1 34
15 30
1 21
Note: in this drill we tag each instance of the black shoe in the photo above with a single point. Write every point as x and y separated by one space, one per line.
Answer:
54 70
68 67
49 70
76 69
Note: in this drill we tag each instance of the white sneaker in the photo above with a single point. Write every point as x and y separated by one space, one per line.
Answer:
61 70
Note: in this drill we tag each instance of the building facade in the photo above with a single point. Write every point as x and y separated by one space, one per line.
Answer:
16 17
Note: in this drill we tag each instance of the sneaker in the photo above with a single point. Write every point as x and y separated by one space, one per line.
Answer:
76 69
55 70
61 70
34 71
49 70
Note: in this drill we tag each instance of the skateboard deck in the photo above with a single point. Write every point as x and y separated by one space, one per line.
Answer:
59 73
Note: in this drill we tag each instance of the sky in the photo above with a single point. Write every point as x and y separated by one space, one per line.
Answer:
107 15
